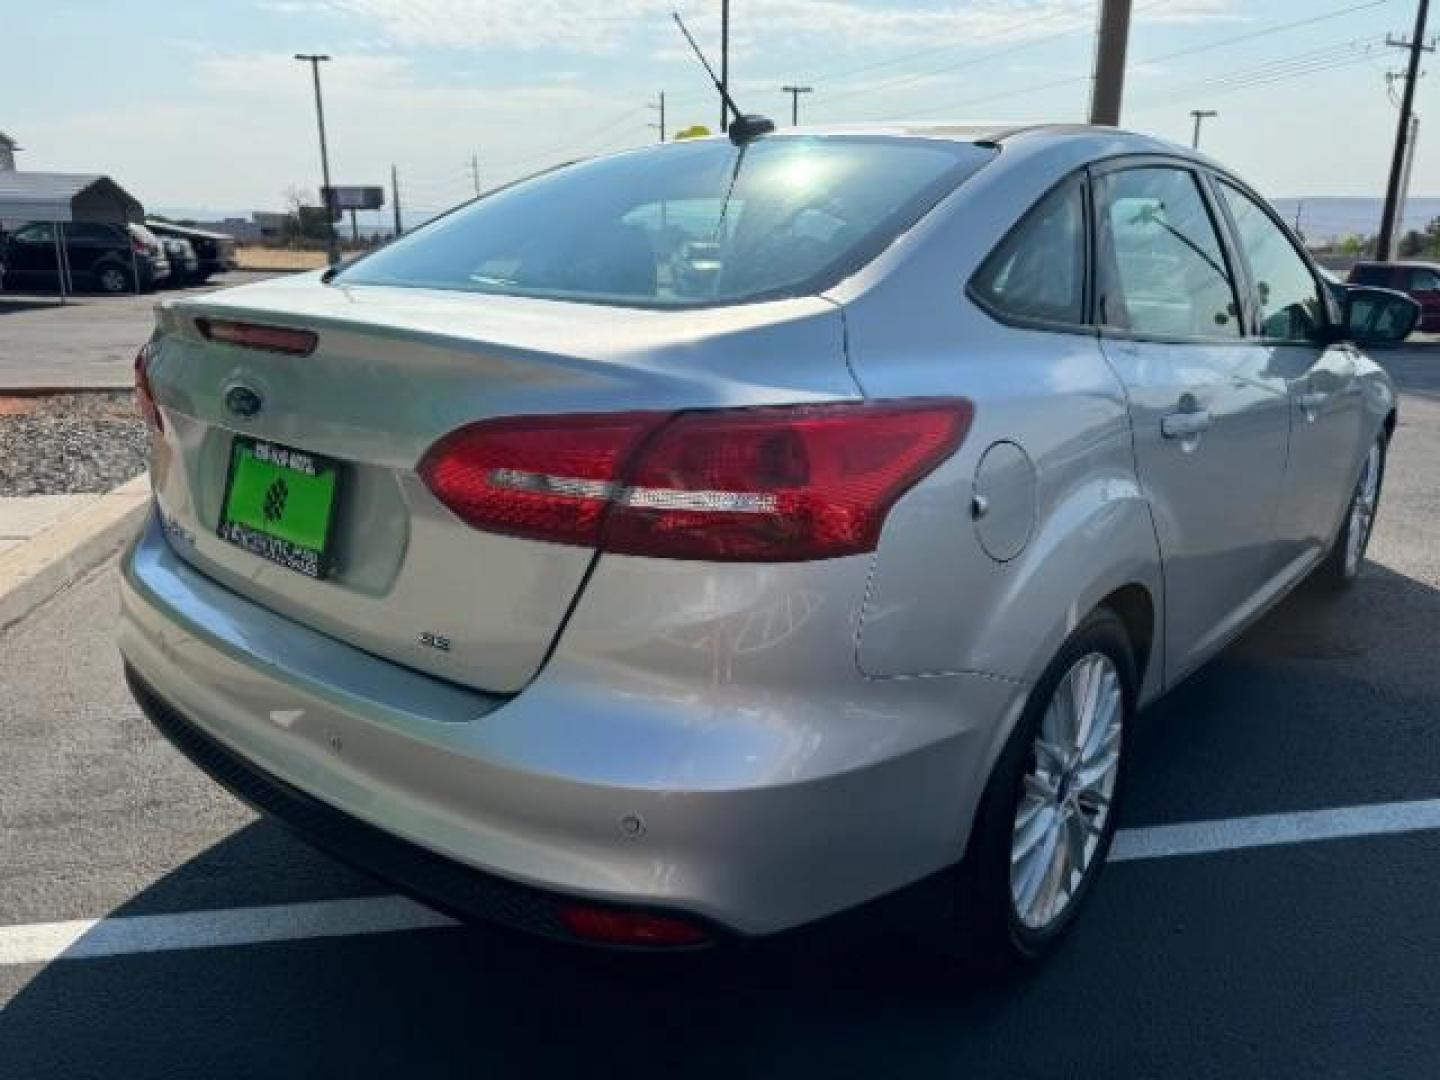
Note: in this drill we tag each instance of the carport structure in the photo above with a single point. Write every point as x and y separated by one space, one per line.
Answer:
63 198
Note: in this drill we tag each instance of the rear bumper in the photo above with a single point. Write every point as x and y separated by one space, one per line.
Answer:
617 794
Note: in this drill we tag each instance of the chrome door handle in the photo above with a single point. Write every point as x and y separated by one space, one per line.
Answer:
1182 425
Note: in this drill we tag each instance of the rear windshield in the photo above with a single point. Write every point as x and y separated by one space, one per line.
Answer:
1370 275
683 225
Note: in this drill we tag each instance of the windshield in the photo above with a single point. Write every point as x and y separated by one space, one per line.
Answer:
685 224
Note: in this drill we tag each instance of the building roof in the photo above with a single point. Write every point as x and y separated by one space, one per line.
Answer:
47 196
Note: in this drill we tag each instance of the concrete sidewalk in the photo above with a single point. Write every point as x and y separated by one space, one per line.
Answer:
24 516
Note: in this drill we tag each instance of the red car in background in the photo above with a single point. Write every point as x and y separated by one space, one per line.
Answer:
1420 280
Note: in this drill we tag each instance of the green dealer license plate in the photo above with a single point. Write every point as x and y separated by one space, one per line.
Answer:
279 504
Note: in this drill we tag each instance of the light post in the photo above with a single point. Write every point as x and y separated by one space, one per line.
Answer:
332 243
795 92
1200 115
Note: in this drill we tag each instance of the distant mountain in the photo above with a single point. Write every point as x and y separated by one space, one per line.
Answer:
1328 217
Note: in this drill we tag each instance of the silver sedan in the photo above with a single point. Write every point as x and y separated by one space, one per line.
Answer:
699 541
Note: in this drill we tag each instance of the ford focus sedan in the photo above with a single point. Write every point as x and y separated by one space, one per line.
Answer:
700 541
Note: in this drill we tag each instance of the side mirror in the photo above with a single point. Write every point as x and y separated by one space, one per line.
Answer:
1373 316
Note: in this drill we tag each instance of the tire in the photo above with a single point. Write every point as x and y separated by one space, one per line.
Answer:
985 922
1342 564
112 279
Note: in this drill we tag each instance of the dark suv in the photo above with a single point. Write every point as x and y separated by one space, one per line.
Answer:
215 251
103 257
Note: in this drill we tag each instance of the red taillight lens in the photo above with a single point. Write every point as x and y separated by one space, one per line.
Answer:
143 395
634 928
543 477
257 336
139 246
778 484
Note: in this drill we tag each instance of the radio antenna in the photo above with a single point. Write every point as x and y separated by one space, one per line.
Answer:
744 128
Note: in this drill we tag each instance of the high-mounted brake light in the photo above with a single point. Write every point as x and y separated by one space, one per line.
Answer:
144 397
774 484
279 339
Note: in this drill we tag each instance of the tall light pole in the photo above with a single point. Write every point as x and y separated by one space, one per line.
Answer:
1110 43
332 243
795 92
1200 115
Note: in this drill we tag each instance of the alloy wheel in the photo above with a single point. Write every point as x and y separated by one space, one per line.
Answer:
1362 511
1066 795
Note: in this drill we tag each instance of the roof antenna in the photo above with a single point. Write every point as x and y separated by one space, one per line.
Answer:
744 128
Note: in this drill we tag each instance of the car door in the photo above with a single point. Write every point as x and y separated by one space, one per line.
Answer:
1210 421
1291 315
32 253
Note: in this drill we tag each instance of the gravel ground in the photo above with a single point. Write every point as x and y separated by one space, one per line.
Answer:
70 443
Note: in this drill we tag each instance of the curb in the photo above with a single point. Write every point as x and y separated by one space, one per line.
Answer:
34 571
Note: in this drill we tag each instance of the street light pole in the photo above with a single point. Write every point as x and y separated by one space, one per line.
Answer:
1200 115
332 242
795 92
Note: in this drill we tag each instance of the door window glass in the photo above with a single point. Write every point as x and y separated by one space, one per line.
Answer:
1038 271
42 232
1286 292
1163 270
1424 280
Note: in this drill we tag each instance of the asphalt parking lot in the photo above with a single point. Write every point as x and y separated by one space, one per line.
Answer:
1251 958
88 342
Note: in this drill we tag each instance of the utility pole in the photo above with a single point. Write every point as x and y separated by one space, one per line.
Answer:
1299 210
1111 40
395 199
1386 244
795 92
475 172
1412 138
724 63
332 242
1200 116
661 106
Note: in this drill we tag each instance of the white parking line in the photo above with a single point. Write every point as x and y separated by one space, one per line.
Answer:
1267 830
84 939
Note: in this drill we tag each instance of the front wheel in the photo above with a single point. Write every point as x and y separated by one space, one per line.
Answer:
1342 565
1047 817
112 279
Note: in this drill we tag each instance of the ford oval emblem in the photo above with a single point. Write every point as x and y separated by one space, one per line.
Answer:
243 402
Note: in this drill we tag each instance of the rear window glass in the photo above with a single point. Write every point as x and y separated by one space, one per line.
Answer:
683 225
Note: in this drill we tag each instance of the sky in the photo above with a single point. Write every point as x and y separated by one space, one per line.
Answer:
199 104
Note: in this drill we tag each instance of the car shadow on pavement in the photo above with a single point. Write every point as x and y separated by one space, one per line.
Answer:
1304 710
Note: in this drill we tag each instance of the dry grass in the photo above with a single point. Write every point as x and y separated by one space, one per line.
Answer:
261 258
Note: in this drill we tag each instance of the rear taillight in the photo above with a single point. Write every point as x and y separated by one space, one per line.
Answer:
279 339
777 484
143 395
139 246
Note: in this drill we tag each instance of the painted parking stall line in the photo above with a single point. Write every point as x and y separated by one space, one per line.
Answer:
1269 830
87 939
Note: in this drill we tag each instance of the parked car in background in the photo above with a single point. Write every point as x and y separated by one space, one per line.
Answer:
651 608
1418 280
215 251
102 257
184 265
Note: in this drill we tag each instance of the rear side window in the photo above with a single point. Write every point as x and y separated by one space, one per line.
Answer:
1038 271
1162 269
685 224
1370 275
